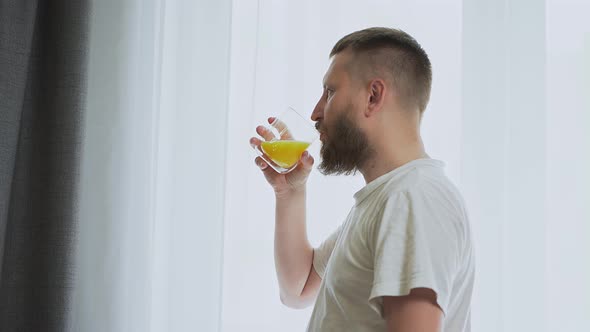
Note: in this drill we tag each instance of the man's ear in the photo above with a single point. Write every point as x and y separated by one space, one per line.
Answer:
376 96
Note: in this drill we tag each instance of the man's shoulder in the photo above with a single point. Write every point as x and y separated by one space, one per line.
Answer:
423 181
421 185
416 180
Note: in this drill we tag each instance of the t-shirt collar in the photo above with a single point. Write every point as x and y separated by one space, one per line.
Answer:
360 195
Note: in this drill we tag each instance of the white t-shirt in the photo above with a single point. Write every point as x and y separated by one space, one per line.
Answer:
407 229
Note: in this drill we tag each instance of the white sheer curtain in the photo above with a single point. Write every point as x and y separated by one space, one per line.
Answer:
177 231
150 241
509 114
567 191
504 159
279 55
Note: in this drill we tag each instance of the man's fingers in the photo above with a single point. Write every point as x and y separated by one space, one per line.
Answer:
265 133
309 158
255 142
268 172
305 164
306 160
261 163
281 127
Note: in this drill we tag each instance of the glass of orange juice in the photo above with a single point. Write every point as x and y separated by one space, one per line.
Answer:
292 135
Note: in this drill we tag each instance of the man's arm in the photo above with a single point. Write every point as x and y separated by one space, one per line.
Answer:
298 281
415 312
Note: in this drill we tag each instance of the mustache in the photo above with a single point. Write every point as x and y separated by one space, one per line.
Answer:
318 126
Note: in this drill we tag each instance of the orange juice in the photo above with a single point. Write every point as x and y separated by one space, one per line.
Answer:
284 153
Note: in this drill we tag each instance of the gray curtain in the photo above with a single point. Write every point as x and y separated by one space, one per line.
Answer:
42 76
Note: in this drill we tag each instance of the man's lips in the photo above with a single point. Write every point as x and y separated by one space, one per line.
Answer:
318 127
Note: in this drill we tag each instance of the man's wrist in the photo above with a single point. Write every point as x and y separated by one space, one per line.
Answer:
291 193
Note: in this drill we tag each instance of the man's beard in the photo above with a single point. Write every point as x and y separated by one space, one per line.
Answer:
346 149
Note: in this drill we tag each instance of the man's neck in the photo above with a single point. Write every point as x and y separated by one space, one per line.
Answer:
388 158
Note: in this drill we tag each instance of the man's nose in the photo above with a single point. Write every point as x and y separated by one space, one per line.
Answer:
318 111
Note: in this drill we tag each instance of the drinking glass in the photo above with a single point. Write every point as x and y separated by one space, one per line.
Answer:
291 135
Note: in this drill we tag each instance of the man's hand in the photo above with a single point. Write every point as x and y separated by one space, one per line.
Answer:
415 312
283 184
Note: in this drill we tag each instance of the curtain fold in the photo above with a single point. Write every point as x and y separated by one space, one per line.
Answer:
42 87
150 241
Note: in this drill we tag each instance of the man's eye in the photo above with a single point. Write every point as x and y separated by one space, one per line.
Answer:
329 92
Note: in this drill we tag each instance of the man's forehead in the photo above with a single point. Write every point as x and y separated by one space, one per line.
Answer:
337 66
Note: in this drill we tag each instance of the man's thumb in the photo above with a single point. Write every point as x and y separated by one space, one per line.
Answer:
307 159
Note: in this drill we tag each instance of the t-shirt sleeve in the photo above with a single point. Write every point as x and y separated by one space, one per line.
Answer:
414 245
322 254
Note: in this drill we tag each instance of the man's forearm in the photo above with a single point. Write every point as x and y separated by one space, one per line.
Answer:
293 253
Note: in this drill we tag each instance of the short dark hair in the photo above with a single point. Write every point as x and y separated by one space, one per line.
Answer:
395 53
